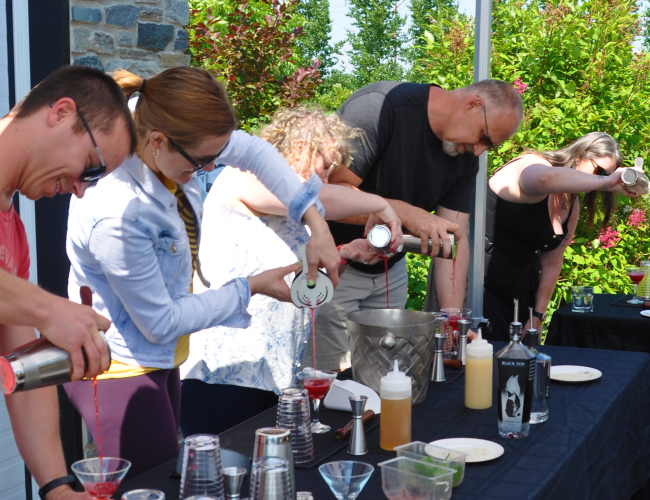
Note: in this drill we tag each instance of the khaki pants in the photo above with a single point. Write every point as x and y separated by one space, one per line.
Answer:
356 291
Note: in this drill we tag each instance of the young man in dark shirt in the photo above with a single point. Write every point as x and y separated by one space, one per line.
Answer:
419 150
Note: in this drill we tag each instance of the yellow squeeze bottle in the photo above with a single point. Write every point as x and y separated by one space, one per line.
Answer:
478 374
395 416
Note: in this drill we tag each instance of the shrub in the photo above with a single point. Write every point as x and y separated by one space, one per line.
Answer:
253 56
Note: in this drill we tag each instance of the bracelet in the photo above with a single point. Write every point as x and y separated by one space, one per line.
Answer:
344 261
539 315
55 483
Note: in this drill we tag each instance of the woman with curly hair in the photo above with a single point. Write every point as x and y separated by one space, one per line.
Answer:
532 213
245 231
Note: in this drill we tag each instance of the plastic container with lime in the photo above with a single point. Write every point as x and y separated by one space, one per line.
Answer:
427 453
403 478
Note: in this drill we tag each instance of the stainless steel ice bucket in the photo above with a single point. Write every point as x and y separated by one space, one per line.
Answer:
379 336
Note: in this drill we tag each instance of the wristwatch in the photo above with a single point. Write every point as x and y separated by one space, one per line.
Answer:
539 315
45 489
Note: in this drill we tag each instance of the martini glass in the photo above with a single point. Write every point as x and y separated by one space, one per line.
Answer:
317 383
347 478
636 274
100 477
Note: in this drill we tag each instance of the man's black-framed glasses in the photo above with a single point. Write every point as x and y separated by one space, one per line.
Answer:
92 174
197 166
485 140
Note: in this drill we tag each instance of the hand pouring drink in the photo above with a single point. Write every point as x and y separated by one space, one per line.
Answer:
39 363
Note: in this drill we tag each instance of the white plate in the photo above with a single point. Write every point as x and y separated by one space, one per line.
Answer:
478 450
645 313
574 374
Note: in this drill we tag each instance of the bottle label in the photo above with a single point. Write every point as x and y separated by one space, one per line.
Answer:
514 377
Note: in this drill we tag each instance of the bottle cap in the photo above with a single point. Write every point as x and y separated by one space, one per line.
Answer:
531 340
395 384
479 347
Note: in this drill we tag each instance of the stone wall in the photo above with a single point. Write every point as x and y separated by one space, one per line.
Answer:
141 36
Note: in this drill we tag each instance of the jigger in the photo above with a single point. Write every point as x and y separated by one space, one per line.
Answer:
463 327
438 372
233 477
357 444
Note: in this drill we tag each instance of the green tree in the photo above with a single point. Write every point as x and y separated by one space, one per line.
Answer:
376 52
249 46
577 71
317 27
423 14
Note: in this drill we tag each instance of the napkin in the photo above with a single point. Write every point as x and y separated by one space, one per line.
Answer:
338 396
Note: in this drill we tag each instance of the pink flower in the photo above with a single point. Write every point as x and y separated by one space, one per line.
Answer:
637 217
520 86
609 238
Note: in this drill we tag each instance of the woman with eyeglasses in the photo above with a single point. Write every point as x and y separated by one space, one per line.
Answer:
532 213
134 240
250 367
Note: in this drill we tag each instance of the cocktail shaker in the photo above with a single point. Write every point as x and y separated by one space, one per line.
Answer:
40 363
37 364
635 181
380 237
275 442
463 325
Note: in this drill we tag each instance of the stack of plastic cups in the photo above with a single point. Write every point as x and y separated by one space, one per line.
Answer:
202 467
294 415
270 479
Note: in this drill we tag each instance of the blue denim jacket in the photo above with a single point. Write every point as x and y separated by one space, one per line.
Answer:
127 242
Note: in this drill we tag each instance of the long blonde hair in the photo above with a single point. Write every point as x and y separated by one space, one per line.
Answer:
317 129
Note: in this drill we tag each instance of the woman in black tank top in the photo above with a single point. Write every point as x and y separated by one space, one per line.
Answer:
532 213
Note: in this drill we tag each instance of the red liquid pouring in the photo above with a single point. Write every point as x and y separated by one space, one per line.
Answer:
317 387
313 334
102 490
386 268
99 435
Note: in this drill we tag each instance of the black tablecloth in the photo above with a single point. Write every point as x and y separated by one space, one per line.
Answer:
607 327
596 444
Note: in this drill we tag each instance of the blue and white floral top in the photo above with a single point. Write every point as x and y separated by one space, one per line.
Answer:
261 356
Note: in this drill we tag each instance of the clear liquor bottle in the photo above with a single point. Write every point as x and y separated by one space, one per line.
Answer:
515 373
542 384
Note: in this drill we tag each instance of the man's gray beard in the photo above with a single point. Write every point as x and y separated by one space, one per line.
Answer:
449 148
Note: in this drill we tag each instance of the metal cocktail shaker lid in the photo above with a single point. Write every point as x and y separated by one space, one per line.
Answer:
379 239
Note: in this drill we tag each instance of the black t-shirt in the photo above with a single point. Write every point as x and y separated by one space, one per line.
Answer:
399 156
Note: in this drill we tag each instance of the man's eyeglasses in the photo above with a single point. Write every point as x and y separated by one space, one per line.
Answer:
598 170
195 165
485 140
92 174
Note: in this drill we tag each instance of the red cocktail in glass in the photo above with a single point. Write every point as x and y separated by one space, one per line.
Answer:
636 274
317 383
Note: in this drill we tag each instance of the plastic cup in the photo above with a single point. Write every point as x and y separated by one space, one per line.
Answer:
404 477
201 472
417 450
294 415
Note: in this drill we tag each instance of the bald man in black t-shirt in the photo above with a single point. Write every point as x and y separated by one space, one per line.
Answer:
419 150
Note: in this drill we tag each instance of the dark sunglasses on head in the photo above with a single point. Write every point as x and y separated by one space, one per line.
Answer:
197 166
